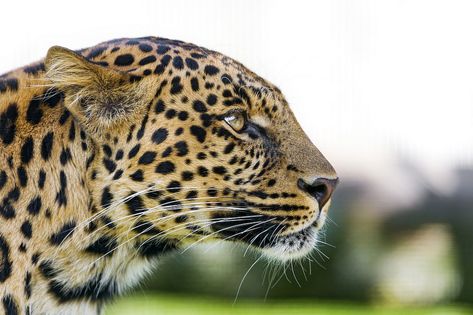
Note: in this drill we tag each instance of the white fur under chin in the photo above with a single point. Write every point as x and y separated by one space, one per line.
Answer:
290 247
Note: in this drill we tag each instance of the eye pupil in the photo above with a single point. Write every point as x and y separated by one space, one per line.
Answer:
236 121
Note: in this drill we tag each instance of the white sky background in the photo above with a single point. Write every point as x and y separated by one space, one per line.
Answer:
371 82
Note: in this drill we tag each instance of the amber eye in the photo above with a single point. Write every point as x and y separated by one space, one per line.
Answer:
236 120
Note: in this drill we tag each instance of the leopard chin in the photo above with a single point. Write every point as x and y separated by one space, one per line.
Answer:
293 246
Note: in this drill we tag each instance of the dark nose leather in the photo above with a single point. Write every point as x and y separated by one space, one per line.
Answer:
321 189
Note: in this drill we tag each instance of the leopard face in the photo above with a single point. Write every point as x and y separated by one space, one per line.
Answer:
190 147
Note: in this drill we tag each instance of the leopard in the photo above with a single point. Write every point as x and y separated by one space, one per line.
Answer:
115 155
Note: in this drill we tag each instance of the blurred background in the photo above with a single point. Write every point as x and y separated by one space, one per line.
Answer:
383 88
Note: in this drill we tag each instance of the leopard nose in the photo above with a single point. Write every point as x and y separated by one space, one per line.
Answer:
321 189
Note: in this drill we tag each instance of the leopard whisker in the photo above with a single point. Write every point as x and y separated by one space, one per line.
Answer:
138 215
325 243
129 240
207 221
116 204
141 214
204 204
244 277
216 232
254 239
303 269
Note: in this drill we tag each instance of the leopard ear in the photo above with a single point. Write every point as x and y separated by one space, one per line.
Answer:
99 97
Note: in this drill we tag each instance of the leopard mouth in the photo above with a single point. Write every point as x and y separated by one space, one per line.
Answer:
264 233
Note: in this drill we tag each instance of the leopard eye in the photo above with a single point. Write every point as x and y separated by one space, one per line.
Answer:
236 120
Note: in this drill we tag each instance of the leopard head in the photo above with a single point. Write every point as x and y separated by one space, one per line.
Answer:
190 146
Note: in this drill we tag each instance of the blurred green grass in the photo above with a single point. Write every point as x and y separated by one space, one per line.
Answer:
191 305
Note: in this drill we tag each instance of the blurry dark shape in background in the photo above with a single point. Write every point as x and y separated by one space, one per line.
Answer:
455 213
421 254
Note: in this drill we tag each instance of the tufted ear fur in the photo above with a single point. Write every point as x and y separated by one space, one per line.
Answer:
100 98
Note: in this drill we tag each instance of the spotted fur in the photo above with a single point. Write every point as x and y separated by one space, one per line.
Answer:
114 155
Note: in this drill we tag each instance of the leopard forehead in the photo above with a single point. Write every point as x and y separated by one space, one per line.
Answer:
204 79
